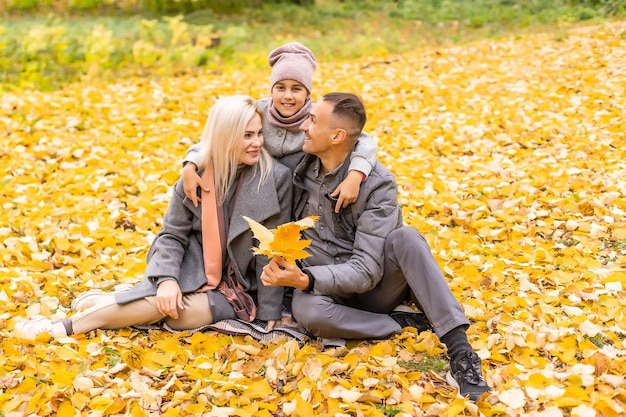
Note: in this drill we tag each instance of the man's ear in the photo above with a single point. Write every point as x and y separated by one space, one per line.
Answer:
340 136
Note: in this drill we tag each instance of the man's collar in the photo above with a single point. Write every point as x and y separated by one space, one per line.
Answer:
319 171
310 159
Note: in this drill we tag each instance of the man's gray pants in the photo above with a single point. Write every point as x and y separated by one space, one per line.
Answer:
409 264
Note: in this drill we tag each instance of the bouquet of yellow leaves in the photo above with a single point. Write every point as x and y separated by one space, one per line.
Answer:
284 241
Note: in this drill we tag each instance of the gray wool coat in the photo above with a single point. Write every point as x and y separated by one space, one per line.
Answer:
176 252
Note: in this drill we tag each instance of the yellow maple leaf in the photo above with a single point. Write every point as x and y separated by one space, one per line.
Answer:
284 241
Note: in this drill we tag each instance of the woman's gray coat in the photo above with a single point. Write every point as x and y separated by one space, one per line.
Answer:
177 249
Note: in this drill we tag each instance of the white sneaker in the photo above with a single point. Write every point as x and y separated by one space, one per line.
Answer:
30 329
92 297
403 308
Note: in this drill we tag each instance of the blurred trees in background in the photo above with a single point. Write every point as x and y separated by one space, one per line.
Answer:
47 43
138 6
608 7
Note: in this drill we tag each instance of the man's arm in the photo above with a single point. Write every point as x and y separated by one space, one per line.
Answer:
380 214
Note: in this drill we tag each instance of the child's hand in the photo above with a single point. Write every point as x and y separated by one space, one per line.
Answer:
191 182
348 190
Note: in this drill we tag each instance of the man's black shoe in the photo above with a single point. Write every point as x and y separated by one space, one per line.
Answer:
466 376
405 316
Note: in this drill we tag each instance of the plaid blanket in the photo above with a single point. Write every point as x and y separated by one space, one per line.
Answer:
256 329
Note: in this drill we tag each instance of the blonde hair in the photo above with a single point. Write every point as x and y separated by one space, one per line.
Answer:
224 129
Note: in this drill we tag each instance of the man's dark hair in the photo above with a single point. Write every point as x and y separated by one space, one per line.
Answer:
350 108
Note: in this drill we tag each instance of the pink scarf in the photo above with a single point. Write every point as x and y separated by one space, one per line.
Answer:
213 231
291 123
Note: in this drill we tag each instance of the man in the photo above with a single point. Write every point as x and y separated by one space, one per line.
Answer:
364 263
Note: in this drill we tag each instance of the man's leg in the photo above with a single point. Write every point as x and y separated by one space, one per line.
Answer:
362 316
391 291
322 316
407 251
408 254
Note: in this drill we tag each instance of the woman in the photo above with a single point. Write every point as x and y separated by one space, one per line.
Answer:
199 248
288 107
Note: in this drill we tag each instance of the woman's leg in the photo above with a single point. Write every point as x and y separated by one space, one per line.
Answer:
197 312
111 315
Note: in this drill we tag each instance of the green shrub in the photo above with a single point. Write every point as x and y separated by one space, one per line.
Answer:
77 6
23 4
42 50
189 6
608 7
86 4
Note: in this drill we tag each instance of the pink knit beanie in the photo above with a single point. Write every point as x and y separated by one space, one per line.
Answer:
292 61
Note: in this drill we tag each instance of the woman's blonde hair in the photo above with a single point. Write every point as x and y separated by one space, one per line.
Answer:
224 129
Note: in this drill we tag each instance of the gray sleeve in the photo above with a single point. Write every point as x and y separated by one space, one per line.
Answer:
168 249
193 155
364 155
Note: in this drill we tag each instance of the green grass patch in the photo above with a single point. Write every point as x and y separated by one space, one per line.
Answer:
390 411
427 363
599 340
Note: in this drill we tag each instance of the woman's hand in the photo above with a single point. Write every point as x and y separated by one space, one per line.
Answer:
348 190
191 182
169 298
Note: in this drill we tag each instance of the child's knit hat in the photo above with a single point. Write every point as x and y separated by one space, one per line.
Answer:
292 61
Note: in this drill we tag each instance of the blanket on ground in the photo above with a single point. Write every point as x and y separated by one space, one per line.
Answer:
256 329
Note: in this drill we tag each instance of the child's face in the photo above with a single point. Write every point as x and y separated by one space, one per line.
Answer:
288 97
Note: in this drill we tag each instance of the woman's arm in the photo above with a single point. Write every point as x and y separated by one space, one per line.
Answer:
168 249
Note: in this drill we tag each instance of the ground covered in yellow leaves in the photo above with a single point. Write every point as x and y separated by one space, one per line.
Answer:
511 158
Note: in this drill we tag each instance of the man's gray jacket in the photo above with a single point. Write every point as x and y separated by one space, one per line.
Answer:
364 224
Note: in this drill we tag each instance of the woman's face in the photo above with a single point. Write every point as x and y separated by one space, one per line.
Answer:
250 145
288 97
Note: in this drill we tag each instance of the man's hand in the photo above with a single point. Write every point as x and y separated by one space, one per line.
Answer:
191 182
169 299
281 273
348 190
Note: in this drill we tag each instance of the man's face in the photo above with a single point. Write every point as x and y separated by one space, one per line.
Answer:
317 130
